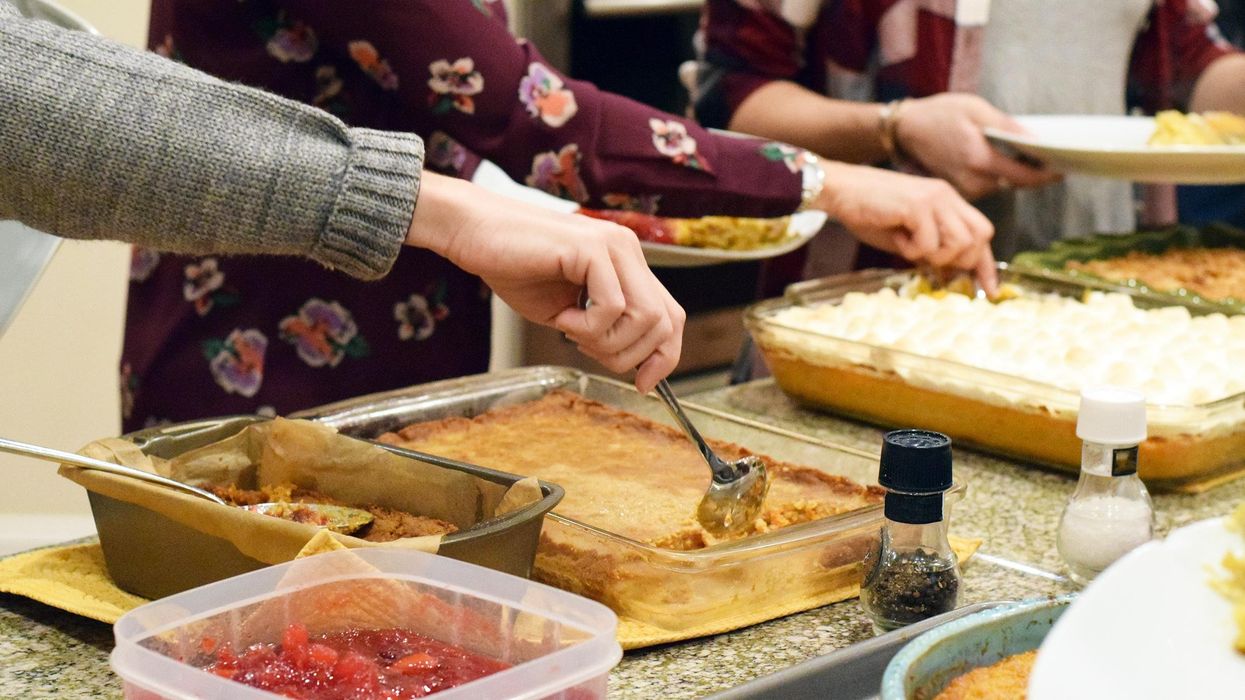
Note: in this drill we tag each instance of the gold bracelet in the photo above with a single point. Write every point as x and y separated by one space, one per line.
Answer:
888 125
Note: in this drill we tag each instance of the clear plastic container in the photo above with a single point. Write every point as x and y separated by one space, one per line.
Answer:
560 645
1191 447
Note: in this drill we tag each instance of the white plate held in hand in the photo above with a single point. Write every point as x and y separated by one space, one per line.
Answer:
1115 146
802 227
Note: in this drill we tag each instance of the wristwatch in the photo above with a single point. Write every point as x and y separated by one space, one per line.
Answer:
813 180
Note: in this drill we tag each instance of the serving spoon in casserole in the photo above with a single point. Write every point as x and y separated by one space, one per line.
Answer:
343 519
737 490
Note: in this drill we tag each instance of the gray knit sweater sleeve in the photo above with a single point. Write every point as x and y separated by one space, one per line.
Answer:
101 141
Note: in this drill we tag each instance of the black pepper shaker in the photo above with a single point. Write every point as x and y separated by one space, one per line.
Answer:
912 573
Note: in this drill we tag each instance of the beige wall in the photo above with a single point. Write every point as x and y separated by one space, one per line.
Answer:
59 358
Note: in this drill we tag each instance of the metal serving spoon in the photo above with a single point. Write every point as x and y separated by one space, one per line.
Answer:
738 488
341 519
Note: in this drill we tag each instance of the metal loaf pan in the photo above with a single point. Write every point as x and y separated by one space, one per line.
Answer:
672 589
851 673
152 556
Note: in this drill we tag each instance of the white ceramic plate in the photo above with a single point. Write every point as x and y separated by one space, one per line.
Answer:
1115 146
1148 627
803 226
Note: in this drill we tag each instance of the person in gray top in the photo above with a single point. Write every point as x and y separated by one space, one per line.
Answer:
99 141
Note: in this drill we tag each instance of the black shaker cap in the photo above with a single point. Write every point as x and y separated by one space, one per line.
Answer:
915 461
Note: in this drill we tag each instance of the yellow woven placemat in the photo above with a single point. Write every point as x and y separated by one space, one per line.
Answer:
73 578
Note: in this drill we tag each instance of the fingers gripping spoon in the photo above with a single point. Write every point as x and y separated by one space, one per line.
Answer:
341 519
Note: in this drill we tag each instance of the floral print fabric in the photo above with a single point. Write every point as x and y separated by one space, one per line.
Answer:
558 174
237 362
324 333
544 95
226 335
453 84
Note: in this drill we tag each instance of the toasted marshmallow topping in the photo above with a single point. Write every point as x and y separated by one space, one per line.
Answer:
1175 358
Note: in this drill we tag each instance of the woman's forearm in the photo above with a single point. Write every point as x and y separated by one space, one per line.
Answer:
837 129
102 141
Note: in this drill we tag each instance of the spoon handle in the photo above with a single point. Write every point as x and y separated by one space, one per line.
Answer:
721 470
51 455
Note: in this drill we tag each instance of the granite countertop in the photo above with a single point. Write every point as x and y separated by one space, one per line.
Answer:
1014 509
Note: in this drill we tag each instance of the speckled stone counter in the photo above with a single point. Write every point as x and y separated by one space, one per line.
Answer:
1014 509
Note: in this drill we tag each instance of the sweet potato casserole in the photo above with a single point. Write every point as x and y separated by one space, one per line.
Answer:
1006 375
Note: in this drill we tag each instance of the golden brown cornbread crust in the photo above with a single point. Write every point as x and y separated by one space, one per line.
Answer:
631 476
798 494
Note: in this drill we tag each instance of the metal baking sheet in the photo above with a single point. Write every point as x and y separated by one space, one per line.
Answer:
851 673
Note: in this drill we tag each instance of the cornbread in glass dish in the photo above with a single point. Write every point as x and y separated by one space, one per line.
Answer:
1006 376
626 533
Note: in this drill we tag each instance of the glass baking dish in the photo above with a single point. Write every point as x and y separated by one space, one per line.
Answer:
1190 446
794 568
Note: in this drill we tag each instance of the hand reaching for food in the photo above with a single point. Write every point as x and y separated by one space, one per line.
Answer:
922 219
538 261
945 135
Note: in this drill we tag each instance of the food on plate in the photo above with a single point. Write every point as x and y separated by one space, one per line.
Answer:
722 232
624 473
387 525
1008 678
1006 375
363 664
1232 583
1173 128
1217 274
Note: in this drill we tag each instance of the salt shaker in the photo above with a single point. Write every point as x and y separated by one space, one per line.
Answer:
1110 513
912 573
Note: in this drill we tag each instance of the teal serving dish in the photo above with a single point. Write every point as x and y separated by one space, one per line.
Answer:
928 663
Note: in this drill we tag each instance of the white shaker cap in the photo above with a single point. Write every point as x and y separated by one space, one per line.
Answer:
1112 415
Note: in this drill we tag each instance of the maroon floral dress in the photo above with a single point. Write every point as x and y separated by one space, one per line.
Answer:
221 335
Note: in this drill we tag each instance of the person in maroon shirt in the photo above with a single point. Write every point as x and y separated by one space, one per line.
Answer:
240 335
819 74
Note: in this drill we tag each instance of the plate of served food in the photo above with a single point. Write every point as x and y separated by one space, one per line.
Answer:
679 242
1171 147
1166 621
